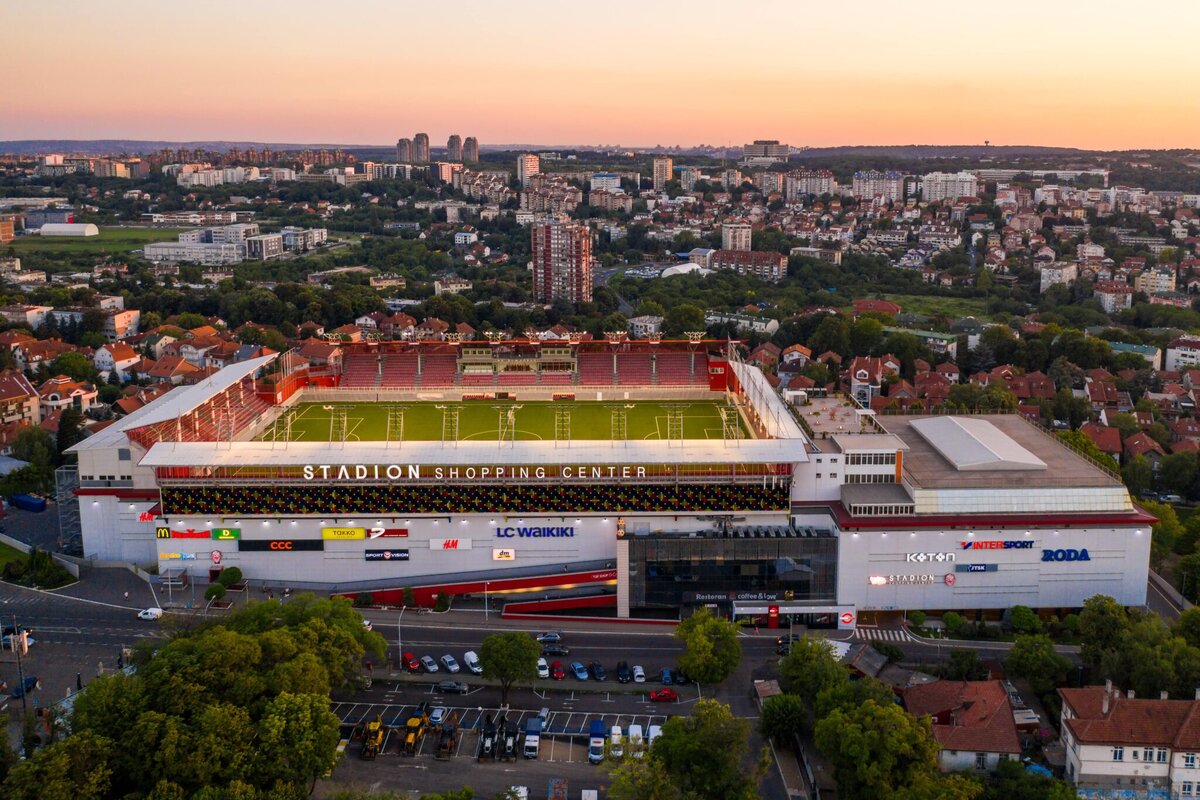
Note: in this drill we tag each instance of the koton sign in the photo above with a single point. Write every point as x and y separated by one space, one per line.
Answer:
923 557
449 544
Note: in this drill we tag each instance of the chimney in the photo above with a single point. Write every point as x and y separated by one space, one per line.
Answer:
1162 695
1104 705
1131 695
1198 692
1108 686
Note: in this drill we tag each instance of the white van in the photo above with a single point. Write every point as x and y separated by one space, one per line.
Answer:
652 733
637 746
615 743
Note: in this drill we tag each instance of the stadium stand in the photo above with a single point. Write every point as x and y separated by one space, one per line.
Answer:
438 370
359 371
674 369
399 371
595 369
634 369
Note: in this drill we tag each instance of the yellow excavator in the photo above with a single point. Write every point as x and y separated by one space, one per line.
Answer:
373 738
414 729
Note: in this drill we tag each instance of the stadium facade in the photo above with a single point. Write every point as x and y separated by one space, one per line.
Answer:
640 474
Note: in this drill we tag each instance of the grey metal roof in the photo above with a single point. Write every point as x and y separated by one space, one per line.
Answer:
972 444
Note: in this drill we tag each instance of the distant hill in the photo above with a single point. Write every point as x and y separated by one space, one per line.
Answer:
910 151
100 147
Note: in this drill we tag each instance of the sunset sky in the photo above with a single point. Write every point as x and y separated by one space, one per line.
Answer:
1098 74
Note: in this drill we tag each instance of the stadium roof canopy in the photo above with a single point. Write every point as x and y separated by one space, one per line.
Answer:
475 453
172 405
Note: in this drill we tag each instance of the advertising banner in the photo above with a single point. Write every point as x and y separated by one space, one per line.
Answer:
344 534
279 545
449 544
385 555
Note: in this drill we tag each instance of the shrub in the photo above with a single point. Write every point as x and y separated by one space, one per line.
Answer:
1023 619
892 652
215 591
917 618
229 576
363 599
443 602
410 598
955 623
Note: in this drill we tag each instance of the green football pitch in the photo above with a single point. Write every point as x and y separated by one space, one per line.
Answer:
482 420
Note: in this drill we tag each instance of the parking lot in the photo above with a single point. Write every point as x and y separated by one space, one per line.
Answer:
564 737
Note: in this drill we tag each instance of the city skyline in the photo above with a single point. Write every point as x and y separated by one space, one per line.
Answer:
890 77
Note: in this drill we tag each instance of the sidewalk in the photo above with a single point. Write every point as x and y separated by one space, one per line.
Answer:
112 586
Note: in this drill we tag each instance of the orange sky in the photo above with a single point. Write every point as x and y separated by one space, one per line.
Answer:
1097 74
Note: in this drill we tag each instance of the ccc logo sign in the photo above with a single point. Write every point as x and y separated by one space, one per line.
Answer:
280 545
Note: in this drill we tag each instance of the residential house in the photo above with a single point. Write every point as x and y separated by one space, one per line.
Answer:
972 722
1118 744
172 369
1106 439
19 401
62 391
116 358
1140 444
796 356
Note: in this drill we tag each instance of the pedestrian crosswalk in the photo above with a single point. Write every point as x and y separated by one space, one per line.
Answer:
866 634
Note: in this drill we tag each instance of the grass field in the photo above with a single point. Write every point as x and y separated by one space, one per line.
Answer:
111 240
939 306
480 420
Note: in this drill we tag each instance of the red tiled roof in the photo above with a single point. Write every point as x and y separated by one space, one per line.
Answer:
1133 721
967 715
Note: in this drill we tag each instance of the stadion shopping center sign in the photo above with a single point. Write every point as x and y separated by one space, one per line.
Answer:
500 472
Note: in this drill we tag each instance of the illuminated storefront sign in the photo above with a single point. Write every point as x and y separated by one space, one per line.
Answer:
976 567
901 580
922 557
385 555
416 472
996 544
566 531
387 533
343 534
176 556
503 554
227 534
1069 554
449 544
163 532
280 545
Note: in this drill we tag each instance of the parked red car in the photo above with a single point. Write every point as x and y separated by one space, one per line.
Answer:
557 672
664 695
410 662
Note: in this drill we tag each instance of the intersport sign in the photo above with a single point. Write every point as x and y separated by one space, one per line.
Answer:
996 544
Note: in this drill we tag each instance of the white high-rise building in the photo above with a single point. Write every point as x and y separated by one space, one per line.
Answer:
806 182
872 184
939 186
606 182
663 169
528 165
735 236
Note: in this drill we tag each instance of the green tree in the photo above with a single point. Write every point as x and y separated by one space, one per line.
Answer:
809 668
891 652
642 779
215 591
76 365
833 333
852 694
74 769
1011 781
956 624
705 754
1023 619
1101 624
1137 475
876 750
783 716
711 650
297 739
70 430
1188 626
1179 472
964 665
683 318
1034 658
509 657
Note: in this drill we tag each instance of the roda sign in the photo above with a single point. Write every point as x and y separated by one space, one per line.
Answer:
1066 555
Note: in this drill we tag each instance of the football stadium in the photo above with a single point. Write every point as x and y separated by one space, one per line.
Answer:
619 477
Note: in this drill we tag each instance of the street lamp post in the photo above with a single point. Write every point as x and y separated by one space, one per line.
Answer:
486 603
399 639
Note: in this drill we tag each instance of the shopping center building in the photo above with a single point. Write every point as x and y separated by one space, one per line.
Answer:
638 477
